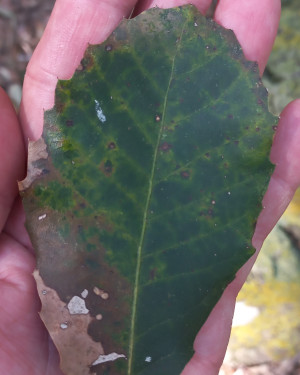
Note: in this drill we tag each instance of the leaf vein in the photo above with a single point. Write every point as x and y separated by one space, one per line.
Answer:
139 251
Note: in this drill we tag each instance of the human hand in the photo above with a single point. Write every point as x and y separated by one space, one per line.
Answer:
26 348
25 345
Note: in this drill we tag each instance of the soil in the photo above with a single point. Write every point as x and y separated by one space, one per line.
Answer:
22 23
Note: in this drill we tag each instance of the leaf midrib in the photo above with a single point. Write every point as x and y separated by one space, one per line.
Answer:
150 189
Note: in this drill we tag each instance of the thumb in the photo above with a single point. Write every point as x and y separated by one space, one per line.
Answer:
72 26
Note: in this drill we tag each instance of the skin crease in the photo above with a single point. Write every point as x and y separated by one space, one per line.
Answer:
25 346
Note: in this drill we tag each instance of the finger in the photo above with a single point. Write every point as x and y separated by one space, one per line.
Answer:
202 5
285 180
20 325
15 225
254 23
12 156
72 25
212 340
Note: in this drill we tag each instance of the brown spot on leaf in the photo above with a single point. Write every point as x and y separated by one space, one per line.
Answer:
60 106
260 102
87 62
69 123
207 155
152 274
185 174
111 145
106 167
165 147
37 151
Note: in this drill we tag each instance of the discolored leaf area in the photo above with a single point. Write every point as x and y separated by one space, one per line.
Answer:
142 201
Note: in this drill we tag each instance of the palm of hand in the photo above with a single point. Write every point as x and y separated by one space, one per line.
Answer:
25 345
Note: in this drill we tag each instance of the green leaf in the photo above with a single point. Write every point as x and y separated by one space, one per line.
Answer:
147 191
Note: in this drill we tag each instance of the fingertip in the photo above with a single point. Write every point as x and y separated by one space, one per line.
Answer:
202 5
37 98
254 23
285 153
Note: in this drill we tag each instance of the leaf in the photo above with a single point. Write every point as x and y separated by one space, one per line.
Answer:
145 195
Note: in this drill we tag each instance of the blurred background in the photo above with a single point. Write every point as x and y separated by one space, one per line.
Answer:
265 338
22 23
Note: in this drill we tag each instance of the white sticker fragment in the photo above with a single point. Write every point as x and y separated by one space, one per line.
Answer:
101 116
64 326
148 359
42 217
84 293
77 306
108 358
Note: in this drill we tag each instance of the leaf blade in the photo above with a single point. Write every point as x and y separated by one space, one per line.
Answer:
148 178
